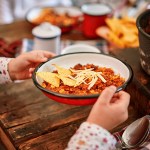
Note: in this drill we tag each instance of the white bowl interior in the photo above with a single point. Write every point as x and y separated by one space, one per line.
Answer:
70 60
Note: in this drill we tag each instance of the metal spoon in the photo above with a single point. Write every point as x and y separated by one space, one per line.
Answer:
135 134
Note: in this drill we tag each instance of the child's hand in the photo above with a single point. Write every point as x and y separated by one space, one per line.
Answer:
111 108
22 67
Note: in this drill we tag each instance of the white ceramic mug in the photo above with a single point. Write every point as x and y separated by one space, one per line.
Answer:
47 37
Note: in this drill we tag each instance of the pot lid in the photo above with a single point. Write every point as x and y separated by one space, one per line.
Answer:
46 30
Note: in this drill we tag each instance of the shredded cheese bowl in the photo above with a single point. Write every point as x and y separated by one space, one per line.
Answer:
79 78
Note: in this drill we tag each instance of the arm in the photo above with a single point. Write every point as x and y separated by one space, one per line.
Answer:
21 67
94 132
91 137
4 74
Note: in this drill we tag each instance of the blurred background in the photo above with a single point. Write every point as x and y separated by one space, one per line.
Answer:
69 16
11 10
14 10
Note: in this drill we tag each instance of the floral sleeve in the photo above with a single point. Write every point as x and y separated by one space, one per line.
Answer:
91 137
4 75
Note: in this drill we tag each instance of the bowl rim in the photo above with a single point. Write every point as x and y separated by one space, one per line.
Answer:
71 96
138 22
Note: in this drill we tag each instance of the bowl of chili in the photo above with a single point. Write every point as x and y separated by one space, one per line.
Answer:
79 78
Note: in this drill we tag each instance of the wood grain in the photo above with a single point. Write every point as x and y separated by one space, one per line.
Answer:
31 121
139 89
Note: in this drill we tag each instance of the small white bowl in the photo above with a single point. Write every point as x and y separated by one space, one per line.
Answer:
80 48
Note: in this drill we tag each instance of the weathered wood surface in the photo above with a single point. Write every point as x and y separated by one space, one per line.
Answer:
25 112
131 56
140 87
31 121
58 139
22 29
55 140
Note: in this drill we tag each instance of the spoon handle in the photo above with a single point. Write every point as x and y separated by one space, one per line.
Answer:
120 146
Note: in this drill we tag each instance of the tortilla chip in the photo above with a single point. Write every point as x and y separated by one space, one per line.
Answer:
110 36
49 77
103 32
135 43
127 19
67 81
112 23
62 71
129 38
120 32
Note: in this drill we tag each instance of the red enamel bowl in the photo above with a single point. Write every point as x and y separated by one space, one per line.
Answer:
70 60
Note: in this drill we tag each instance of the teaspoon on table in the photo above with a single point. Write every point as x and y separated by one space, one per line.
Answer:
135 134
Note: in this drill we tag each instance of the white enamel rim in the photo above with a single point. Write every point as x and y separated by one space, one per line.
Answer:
99 9
71 59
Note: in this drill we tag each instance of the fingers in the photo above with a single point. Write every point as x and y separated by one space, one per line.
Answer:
107 94
29 74
124 98
48 54
121 99
45 54
38 56
31 70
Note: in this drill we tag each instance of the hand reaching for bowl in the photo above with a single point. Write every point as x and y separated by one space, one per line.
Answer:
21 67
111 108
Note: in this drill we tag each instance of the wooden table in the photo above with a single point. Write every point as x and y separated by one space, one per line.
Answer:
139 88
31 121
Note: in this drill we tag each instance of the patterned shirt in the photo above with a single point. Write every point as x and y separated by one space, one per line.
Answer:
4 75
87 137
91 137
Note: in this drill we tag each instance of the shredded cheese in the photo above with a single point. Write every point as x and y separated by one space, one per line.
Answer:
72 77
82 75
